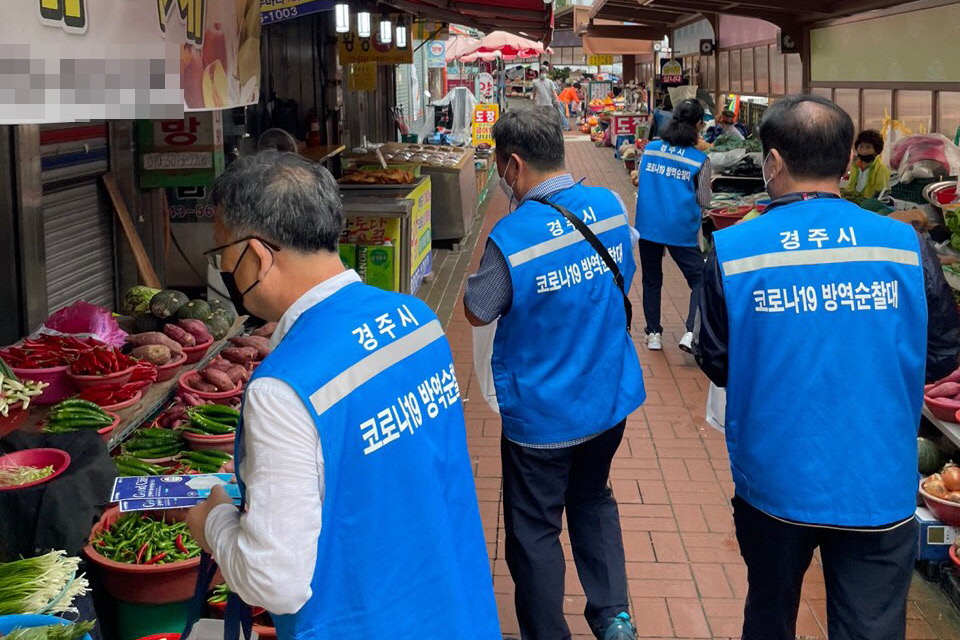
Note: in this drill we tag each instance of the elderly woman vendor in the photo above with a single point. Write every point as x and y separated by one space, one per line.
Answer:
869 176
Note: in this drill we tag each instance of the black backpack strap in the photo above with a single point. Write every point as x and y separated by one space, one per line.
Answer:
601 250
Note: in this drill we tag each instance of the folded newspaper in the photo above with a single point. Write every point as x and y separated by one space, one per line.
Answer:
151 493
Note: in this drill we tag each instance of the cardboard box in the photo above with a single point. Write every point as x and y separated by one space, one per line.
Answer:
933 538
379 266
348 255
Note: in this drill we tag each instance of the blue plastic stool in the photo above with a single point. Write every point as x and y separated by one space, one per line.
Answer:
620 140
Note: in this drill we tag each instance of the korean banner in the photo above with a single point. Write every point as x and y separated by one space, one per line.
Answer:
181 153
126 59
484 117
437 54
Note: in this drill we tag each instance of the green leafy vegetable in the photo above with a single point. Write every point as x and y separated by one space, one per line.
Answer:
13 476
45 584
73 631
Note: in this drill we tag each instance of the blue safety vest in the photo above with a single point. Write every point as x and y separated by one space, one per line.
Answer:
667 207
827 316
564 366
401 546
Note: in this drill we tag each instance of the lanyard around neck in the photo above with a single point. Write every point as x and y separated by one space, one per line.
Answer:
800 196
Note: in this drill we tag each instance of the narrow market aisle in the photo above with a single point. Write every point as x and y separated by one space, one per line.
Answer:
671 478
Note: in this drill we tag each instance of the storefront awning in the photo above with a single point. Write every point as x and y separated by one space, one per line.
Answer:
531 19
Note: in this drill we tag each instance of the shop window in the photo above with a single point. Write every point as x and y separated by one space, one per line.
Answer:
915 110
948 113
778 80
794 73
746 71
849 101
736 81
761 67
877 104
724 71
823 92
709 72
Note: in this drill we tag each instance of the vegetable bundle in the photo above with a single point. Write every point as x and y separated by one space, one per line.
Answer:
16 475
76 415
212 420
101 360
141 539
148 444
47 351
204 461
72 631
45 584
14 392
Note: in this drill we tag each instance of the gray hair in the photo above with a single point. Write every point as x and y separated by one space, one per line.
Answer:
283 198
277 139
536 135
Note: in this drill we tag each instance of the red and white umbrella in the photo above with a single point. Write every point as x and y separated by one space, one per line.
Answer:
510 45
459 46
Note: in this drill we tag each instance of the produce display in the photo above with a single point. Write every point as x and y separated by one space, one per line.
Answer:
111 395
45 584
930 458
45 351
14 393
76 415
73 631
151 311
212 420
944 485
204 461
729 142
153 444
101 360
142 539
379 176
16 475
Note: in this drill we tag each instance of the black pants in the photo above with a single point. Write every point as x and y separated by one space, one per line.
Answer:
537 485
867 576
689 259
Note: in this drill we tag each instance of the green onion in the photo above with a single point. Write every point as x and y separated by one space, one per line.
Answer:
45 584
12 476
73 631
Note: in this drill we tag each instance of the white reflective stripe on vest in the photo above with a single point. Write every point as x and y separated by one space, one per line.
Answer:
373 365
671 156
561 242
820 256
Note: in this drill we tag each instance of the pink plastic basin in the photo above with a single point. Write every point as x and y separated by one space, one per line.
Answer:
38 458
61 387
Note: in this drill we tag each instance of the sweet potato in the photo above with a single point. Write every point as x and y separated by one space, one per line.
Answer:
220 364
240 355
266 330
945 390
218 378
261 344
155 337
203 385
197 329
953 377
237 373
157 354
180 335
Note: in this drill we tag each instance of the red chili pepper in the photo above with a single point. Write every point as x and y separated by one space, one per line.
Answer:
141 551
180 546
157 558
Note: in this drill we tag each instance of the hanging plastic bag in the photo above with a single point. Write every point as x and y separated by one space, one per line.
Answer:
716 407
84 320
482 365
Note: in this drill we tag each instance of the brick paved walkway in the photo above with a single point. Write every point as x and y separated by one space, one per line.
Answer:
670 477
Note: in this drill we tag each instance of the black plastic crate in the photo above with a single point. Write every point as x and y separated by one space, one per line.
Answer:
913 191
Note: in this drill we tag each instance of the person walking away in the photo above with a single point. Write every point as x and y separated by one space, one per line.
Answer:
674 189
869 175
352 458
823 320
566 375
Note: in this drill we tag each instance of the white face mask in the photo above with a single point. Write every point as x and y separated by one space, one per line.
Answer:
506 187
763 172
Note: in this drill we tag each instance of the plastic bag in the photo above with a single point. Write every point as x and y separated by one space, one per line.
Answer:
716 407
924 156
482 365
83 319
723 160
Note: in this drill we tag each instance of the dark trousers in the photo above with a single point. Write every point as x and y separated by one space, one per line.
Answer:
537 485
689 259
867 576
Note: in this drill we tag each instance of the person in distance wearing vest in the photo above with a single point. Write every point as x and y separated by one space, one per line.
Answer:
674 189
566 374
361 515
823 320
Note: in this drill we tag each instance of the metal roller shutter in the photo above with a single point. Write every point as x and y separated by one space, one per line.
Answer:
77 216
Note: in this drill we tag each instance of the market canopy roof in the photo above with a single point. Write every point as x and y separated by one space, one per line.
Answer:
531 19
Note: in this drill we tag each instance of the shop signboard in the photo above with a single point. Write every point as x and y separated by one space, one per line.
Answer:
599 90
181 153
353 49
276 10
626 125
363 76
671 71
484 117
128 59
599 60
437 54
421 240
485 88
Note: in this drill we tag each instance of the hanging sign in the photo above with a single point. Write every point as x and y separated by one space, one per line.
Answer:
671 71
354 49
276 10
437 54
484 117
128 59
363 77
484 87
181 153
599 61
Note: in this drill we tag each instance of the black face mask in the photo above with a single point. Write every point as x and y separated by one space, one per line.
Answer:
230 282
866 158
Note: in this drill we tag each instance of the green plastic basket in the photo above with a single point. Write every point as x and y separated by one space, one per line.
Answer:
136 621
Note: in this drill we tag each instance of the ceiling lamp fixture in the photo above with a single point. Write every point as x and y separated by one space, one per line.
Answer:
386 29
342 13
401 34
363 24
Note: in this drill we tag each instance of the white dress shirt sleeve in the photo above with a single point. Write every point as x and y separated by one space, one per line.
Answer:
268 554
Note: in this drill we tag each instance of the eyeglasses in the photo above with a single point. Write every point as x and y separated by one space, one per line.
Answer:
215 256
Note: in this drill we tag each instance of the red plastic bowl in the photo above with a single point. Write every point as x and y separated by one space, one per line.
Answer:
942 408
206 395
38 458
14 419
195 354
728 216
218 609
953 555
202 442
947 512
60 386
143 583
85 382
170 370
162 636
112 408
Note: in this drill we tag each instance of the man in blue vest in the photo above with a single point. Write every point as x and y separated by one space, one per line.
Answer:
566 375
361 516
823 320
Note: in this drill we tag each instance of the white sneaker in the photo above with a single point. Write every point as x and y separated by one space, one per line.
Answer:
686 342
654 342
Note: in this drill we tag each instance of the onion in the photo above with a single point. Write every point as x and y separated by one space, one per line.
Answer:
951 477
953 496
935 488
